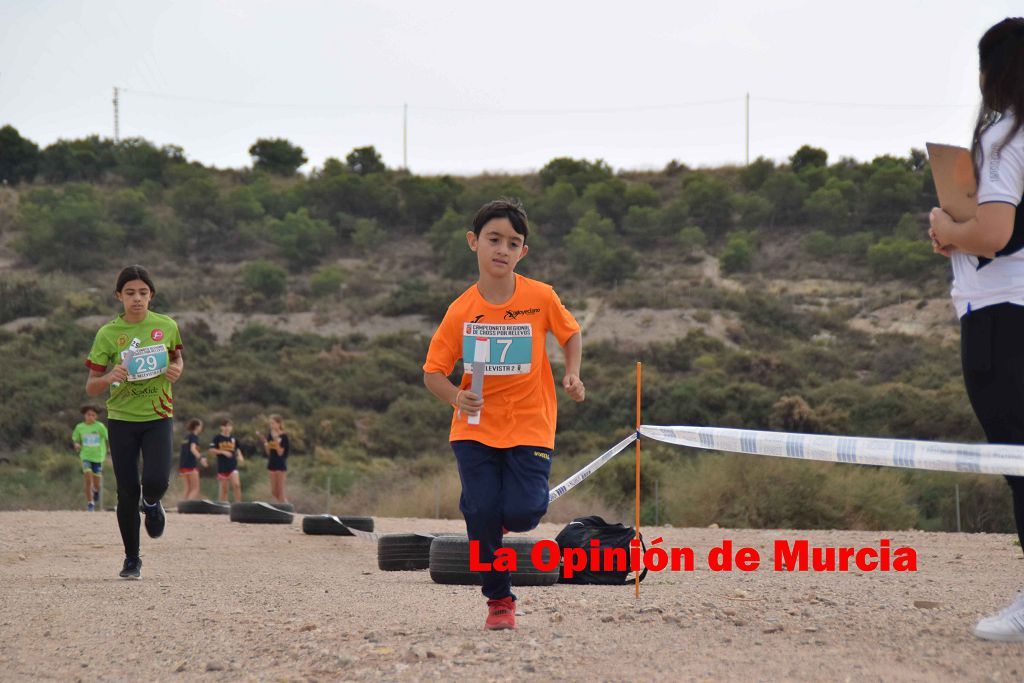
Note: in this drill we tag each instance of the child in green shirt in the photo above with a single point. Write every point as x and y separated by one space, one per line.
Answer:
92 444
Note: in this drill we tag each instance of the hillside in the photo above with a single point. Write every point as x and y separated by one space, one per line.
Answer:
799 296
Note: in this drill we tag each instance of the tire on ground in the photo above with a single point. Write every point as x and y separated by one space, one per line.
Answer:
449 562
327 525
405 552
259 513
284 507
202 507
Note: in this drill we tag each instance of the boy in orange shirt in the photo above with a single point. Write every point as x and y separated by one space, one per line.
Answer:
504 439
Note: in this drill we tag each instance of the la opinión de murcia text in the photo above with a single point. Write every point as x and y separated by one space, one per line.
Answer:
789 556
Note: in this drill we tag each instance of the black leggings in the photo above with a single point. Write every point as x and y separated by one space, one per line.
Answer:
155 439
992 355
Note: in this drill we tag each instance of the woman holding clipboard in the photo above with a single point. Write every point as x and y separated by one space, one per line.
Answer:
987 254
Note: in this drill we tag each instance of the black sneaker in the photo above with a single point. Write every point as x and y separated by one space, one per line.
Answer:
95 495
132 568
155 518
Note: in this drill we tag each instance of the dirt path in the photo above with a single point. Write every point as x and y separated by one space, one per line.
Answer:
222 601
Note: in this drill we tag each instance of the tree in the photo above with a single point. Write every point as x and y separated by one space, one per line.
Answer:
577 172
365 160
590 254
277 155
85 159
787 193
642 223
608 197
553 209
808 156
424 200
890 191
19 157
757 171
691 240
70 234
139 160
128 207
827 208
196 199
738 253
303 240
709 201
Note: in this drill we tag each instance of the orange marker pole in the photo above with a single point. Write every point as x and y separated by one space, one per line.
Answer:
639 383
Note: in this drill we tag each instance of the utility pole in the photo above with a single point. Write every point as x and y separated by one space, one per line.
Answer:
748 128
117 118
405 136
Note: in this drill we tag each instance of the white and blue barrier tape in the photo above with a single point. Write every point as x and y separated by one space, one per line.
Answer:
918 455
591 467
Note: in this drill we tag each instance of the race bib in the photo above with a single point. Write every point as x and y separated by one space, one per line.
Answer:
91 439
506 349
146 363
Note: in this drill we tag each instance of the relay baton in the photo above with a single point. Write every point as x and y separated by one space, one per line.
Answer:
480 356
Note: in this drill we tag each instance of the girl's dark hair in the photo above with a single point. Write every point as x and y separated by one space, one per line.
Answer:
87 408
134 273
193 423
1001 59
512 209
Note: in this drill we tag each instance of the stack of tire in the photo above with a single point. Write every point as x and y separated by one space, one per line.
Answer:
447 557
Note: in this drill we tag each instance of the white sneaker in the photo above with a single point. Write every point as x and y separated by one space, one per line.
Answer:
1007 626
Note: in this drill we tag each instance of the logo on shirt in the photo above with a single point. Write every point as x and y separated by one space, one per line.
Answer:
122 340
157 334
513 315
477 319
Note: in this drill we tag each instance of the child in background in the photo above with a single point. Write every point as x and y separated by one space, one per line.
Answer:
190 459
229 456
504 457
277 448
92 444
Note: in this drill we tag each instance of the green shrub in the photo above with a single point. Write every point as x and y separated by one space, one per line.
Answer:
327 281
265 278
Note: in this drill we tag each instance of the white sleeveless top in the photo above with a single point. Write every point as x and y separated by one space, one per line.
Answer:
980 282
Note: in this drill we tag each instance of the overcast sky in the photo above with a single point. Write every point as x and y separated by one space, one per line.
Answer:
499 86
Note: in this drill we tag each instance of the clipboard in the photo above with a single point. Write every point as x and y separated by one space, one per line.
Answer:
953 172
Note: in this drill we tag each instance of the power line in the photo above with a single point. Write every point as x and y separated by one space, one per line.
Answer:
550 111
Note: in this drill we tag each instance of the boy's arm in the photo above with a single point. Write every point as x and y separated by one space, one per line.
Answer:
573 351
464 401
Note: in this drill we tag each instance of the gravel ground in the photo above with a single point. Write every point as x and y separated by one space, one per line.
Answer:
223 601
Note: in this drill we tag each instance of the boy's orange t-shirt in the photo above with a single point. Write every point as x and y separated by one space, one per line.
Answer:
520 408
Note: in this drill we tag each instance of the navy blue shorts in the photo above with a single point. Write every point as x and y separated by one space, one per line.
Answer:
94 467
275 463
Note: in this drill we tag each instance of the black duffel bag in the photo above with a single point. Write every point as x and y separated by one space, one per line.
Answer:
579 532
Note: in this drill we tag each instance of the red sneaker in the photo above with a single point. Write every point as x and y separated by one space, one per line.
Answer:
501 614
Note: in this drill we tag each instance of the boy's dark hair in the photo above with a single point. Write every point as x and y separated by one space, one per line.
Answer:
134 273
1001 61
193 423
509 208
225 422
86 408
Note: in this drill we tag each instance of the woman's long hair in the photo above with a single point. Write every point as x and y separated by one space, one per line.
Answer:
1001 59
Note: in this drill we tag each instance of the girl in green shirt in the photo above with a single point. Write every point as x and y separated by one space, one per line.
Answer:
137 357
